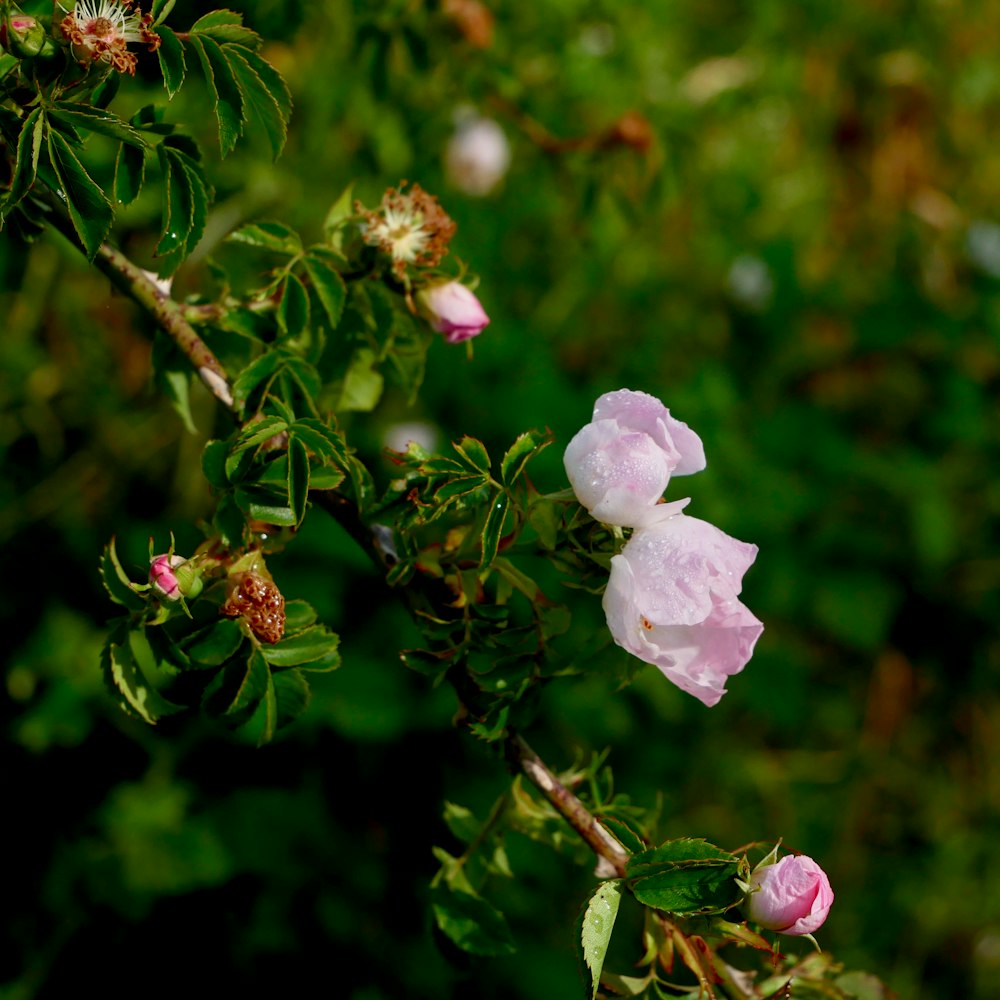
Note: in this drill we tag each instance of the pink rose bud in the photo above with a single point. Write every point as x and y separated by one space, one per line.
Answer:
790 897
162 576
672 600
477 156
620 463
453 310
22 36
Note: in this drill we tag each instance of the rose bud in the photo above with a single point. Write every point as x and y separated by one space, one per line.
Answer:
452 309
22 36
162 576
174 577
672 600
790 897
620 463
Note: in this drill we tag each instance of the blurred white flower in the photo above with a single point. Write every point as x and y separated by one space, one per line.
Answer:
478 155
398 436
982 244
749 283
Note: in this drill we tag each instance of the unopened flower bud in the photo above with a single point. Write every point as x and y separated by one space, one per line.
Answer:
163 578
174 577
790 897
453 310
21 35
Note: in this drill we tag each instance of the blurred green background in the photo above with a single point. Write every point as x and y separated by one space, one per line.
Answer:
798 250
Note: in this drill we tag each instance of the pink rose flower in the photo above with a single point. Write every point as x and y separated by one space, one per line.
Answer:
452 309
672 600
620 463
162 576
790 897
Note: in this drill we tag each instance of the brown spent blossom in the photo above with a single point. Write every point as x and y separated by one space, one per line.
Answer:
262 605
100 30
411 227
473 20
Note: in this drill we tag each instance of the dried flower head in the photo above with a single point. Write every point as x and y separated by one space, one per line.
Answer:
261 603
100 30
411 227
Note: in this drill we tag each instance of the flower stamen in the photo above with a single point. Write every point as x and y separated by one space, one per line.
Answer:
101 30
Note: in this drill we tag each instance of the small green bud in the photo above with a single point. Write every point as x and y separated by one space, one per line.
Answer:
22 35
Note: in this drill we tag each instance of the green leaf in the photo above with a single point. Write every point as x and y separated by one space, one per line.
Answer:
116 582
217 19
257 432
89 210
259 370
125 677
341 210
178 208
130 168
314 648
363 383
298 478
526 446
293 308
678 853
685 877
270 236
273 82
299 615
474 452
226 26
228 99
254 686
291 695
493 529
212 646
185 208
626 833
427 663
213 463
29 144
321 440
260 507
329 287
95 120
160 9
172 64
471 923
230 522
262 106
598 923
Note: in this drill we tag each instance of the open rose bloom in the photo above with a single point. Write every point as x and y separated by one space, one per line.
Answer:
673 596
620 463
673 601
790 897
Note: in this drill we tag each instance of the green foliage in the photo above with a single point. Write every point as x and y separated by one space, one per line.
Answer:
596 928
791 247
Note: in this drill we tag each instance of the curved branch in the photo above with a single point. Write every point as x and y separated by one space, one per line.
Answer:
143 289
148 293
597 838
